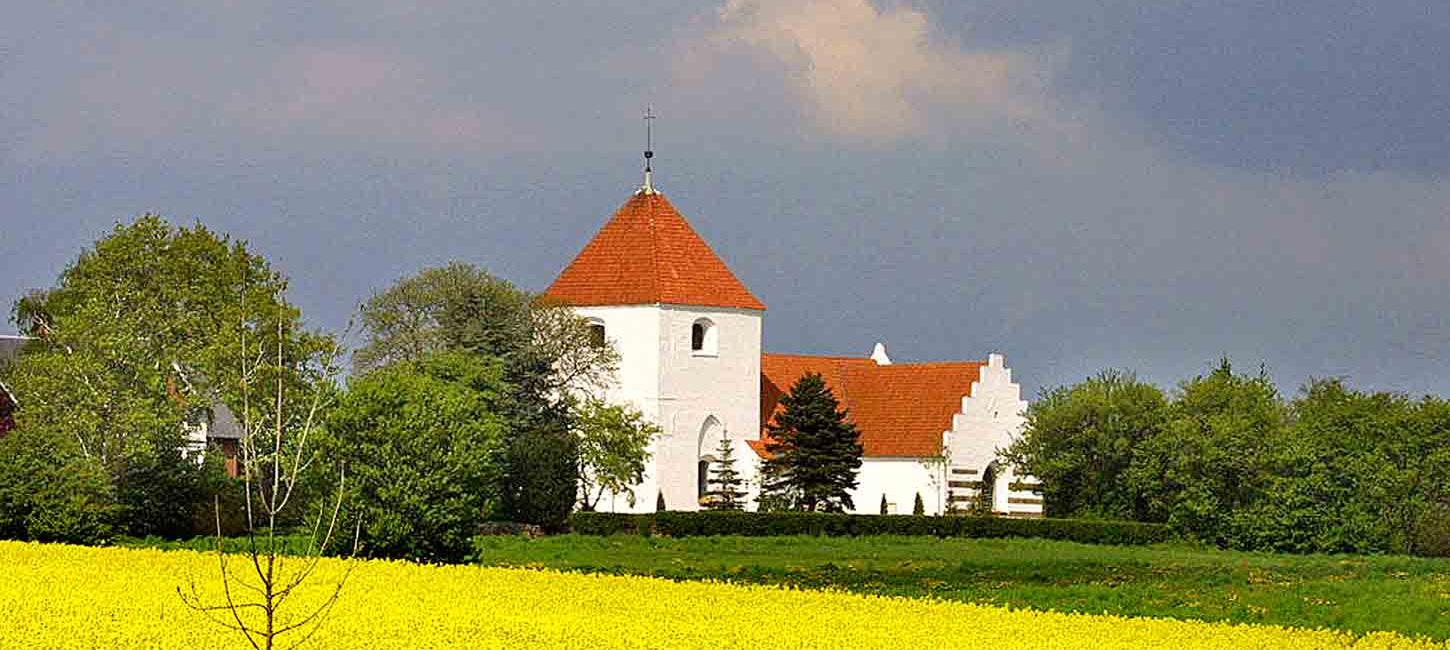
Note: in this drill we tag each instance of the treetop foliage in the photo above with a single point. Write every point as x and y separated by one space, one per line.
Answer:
140 339
1229 461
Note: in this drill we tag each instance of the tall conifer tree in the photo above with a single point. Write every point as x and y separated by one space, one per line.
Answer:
815 454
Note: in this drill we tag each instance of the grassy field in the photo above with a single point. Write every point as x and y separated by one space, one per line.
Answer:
1360 594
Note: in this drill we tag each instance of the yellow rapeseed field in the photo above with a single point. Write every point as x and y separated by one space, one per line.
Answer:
57 596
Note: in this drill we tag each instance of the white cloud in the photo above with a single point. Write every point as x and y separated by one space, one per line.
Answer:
867 73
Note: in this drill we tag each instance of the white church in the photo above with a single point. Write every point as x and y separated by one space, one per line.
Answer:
688 333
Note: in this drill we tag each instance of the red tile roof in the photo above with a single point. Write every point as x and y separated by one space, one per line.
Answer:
649 254
901 410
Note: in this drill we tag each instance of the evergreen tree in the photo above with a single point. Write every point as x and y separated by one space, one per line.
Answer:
815 453
660 502
918 508
884 508
727 493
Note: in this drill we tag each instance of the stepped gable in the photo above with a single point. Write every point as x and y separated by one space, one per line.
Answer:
648 254
900 410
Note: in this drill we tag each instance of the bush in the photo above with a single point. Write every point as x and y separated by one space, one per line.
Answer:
608 523
420 443
541 487
49 493
166 492
757 524
1432 532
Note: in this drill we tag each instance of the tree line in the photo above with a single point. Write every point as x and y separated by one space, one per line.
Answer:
469 400
1228 460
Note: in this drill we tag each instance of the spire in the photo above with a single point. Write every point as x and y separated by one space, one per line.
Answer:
649 183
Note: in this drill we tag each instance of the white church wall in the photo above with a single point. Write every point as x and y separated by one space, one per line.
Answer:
698 386
633 330
695 397
900 479
991 418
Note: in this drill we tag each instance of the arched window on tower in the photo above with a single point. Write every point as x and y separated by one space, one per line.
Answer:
704 338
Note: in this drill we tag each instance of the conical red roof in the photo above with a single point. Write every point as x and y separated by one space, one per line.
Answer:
649 254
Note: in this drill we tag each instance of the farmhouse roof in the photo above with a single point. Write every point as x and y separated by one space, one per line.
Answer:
900 410
648 254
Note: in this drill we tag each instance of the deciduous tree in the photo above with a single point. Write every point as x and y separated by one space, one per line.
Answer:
136 343
423 444
614 447
549 358
1081 440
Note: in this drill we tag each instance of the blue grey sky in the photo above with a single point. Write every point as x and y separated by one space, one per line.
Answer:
1077 184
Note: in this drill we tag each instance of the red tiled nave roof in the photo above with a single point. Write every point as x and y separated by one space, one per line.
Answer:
900 410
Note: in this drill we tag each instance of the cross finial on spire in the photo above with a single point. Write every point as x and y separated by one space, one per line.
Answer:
649 117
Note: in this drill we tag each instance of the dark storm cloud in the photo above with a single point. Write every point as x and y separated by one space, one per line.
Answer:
1299 86
1074 184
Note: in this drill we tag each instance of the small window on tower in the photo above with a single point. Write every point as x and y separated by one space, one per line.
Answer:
703 338
596 334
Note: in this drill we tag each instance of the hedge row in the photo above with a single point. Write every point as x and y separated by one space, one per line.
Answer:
759 524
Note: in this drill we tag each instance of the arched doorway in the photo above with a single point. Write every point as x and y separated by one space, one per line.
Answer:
711 433
987 493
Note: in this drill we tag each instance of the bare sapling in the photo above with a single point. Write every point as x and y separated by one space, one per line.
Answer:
279 426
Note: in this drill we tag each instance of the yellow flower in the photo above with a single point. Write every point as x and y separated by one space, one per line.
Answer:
74 597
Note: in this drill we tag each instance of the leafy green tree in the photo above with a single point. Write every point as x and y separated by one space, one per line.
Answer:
463 307
1080 440
1431 454
549 357
458 306
614 446
815 453
1357 473
727 493
136 343
422 443
1213 456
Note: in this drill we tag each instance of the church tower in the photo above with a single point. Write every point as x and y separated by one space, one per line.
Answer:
688 334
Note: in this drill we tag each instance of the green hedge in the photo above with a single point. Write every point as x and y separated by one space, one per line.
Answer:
757 524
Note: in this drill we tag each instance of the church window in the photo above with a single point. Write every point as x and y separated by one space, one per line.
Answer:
702 479
596 334
703 338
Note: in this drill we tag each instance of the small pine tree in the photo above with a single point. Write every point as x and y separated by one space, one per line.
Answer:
918 508
815 453
660 501
726 479
883 504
